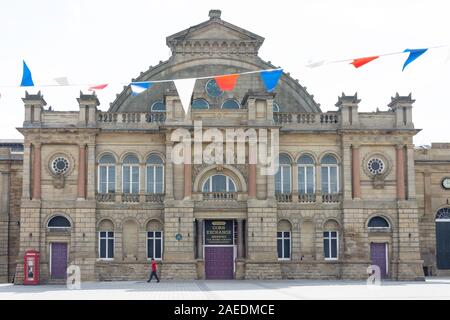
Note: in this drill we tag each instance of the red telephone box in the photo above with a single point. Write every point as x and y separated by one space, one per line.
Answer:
31 267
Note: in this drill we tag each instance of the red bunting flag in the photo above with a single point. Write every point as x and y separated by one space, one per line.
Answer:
98 87
227 83
362 61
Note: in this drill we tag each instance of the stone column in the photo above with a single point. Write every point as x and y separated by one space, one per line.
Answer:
400 173
82 172
187 180
200 239
91 172
26 174
168 174
252 181
240 239
37 171
356 179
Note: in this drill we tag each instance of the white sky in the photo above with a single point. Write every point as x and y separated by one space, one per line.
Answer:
93 41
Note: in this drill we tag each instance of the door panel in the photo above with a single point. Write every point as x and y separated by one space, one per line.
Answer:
219 262
59 260
378 257
443 245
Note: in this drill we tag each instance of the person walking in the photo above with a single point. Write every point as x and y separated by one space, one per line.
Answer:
153 273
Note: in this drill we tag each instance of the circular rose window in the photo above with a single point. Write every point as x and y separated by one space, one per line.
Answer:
60 165
376 166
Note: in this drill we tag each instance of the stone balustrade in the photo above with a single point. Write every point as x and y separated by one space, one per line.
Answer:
219 196
330 118
130 198
307 198
154 197
105 197
131 117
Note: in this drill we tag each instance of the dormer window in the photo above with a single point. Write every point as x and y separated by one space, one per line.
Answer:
212 89
231 104
200 104
158 106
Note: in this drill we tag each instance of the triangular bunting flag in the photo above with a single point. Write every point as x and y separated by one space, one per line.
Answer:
139 87
227 83
62 81
98 87
185 87
362 61
27 80
270 78
413 55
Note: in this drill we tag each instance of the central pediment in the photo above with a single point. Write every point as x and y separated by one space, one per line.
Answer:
214 32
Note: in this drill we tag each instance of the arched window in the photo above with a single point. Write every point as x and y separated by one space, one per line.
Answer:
378 223
306 175
284 240
154 240
107 174
443 214
130 174
200 104
219 183
329 174
106 240
158 106
155 174
283 176
231 104
58 222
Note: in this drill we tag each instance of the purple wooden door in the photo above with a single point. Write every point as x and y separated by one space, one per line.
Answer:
379 255
219 262
59 260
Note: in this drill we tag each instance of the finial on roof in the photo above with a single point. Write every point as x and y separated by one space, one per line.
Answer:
214 14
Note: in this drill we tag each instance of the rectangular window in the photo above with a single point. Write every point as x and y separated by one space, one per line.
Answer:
330 245
306 179
284 245
154 245
106 245
107 179
130 178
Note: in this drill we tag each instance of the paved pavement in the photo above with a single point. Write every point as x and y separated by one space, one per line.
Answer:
432 288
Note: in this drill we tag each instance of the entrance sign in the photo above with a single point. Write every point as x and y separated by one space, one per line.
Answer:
219 232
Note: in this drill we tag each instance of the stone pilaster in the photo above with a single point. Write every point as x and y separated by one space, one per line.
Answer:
81 181
36 171
400 171
356 179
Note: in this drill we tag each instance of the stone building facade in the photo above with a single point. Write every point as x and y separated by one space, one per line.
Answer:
100 189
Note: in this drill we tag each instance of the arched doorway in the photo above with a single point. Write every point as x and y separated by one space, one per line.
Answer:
443 238
59 228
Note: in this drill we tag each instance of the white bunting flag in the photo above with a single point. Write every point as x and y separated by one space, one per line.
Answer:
185 87
62 81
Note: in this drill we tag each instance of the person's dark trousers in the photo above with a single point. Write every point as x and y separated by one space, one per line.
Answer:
151 276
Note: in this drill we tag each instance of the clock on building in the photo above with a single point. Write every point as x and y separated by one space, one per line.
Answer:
446 183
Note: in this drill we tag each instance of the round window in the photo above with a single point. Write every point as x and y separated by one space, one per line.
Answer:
376 166
213 89
60 165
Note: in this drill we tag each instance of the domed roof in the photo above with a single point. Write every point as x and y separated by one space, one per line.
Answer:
214 47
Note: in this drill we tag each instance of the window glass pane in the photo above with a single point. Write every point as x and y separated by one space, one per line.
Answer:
150 248
286 179
287 248
326 248
158 248
278 181
111 248
219 183
310 179
135 171
150 177
111 179
279 234
126 179
158 234
334 234
333 179
333 248
324 178
102 179
111 234
287 234
150 234
159 179
280 248
102 234
102 248
301 179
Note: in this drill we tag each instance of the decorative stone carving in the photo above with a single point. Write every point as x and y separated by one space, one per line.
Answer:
58 181
378 181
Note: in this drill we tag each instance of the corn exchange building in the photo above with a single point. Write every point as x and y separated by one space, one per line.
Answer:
100 190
